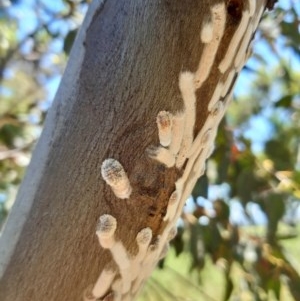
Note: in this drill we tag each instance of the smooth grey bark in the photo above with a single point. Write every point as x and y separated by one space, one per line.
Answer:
123 70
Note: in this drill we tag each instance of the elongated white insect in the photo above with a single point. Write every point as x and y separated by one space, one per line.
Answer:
200 140
127 297
147 265
177 132
206 34
115 176
143 240
109 297
152 252
216 96
218 111
138 282
117 287
105 230
103 283
218 15
172 233
172 206
164 121
187 89
161 155
228 82
257 17
122 260
252 7
164 251
199 166
241 55
236 39
88 295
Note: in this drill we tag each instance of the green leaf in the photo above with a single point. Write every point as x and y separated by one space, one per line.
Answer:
196 247
201 188
69 39
228 288
273 204
290 31
222 211
245 183
275 286
177 242
284 102
294 286
278 152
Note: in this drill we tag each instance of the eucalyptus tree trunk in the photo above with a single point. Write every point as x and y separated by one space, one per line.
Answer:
127 137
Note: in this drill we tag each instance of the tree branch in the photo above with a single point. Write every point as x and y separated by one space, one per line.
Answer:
131 61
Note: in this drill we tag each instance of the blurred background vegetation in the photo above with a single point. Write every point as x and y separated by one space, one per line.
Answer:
238 238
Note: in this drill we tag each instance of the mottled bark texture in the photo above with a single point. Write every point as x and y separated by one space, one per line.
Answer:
124 69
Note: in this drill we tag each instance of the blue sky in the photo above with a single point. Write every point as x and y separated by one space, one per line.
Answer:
29 20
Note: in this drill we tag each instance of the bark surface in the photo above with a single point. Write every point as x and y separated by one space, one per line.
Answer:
123 70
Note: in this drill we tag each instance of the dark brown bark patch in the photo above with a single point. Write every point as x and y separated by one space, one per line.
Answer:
270 4
235 8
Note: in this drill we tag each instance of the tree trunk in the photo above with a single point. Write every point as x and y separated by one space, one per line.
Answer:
146 86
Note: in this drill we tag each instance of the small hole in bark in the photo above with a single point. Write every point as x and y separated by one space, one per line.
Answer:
161 168
235 8
152 211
